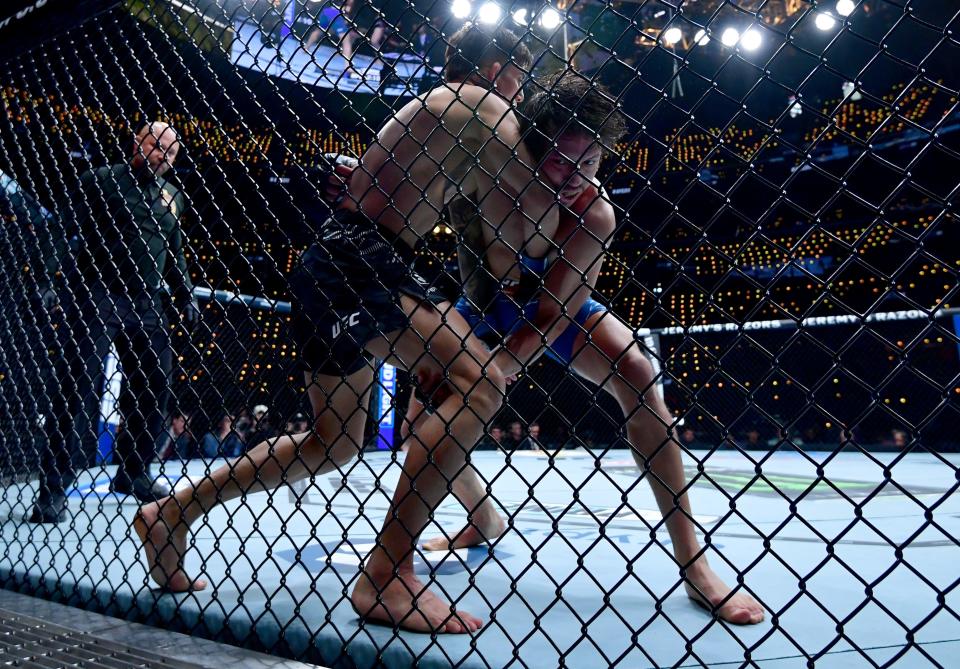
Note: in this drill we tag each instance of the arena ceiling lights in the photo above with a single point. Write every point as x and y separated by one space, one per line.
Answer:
845 7
548 17
489 12
461 9
671 35
751 39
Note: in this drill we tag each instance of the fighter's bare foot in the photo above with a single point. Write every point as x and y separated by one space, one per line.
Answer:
403 601
164 538
474 534
705 588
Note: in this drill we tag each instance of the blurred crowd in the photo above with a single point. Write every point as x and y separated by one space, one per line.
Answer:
229 434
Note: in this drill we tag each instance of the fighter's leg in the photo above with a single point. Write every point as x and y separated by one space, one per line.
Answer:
377 36
613 360
388 590
340 409
484 522
312 39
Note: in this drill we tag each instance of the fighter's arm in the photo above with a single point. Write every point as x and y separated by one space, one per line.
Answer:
581 247
478 283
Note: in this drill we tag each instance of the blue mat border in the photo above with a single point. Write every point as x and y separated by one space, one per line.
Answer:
296 642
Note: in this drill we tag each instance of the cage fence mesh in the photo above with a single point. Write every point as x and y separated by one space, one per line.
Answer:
774 230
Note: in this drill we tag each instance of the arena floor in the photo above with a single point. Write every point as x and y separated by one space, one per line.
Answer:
297 559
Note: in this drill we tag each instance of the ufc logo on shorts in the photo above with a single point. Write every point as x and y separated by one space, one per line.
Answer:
346 322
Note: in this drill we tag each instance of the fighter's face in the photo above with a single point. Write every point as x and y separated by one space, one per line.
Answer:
509 83
179 423
156 153
572 166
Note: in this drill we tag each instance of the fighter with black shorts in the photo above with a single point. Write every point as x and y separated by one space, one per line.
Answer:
357 297
347 291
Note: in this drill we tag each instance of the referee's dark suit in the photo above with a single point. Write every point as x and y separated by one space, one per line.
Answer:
127 222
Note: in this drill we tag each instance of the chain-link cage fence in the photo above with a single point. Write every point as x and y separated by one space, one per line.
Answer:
294 287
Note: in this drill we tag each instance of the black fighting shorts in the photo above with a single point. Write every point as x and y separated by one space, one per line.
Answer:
346 291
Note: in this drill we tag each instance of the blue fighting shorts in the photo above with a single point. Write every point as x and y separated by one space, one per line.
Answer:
504 316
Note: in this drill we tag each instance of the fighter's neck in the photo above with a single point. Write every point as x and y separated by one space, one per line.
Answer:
474 81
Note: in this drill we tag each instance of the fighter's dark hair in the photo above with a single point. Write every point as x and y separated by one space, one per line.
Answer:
475 46
568 102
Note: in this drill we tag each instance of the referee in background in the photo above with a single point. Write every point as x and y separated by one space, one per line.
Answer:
128 241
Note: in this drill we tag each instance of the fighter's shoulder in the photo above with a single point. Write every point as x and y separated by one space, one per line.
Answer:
480 96
474 100
491 106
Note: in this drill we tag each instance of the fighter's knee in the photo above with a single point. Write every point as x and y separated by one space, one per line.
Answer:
633 377
495 379
310 443
635 368
494 391
484 388
486 400
313 447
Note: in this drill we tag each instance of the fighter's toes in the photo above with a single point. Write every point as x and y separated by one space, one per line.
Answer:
742 609
176 582
436 544
468 623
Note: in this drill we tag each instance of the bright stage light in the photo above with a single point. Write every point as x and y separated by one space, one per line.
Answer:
850 91
845 7
824 21
550 18
489 12
672 35
730 37
520 16
701 38
751 39
796 109
461 8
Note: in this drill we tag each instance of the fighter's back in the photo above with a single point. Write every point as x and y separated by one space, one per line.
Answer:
432 150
